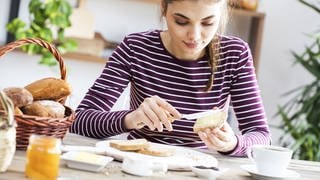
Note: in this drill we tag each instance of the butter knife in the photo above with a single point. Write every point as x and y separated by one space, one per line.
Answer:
200 114
208 112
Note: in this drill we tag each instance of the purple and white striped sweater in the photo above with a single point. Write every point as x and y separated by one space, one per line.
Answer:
143 60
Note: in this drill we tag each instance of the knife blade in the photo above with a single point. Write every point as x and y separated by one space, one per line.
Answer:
200 114
208 112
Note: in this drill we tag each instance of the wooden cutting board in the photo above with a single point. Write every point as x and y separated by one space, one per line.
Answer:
82 22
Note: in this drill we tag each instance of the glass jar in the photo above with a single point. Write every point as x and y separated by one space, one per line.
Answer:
43 157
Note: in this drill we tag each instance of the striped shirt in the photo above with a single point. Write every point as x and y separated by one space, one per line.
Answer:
142 61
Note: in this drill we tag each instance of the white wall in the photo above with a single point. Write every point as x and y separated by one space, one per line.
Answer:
4 15
286 23
18 69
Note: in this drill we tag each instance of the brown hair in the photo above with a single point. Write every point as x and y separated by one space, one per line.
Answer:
213 47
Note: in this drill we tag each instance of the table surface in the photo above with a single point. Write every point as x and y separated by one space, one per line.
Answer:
306 169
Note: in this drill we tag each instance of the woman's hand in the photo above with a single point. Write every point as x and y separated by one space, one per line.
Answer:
153 112
220 139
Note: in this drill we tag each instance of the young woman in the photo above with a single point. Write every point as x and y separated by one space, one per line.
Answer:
188 68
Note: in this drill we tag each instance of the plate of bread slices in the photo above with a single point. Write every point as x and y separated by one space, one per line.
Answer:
177 158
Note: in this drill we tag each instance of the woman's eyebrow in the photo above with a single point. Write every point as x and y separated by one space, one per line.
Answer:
185 17
181 15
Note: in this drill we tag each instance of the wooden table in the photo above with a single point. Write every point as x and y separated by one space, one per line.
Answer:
307 169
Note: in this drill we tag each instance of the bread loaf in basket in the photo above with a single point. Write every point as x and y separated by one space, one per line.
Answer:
33 124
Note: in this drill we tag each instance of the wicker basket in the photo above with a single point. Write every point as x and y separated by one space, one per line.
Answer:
7 132
27 124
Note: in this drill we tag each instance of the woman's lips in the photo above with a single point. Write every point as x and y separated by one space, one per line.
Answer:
191 45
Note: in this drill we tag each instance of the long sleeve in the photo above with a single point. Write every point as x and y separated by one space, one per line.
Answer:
142 60
248 106
93 116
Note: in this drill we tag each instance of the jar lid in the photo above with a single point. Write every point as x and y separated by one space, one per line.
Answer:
42 140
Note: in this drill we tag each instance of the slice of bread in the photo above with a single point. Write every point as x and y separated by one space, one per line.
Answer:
129 145
213 120
157 151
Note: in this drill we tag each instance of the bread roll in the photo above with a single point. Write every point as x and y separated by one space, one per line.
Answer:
45 108
49 89
19 96
129 145
213 120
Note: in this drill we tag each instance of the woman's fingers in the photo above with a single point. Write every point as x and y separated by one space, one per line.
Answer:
168 107
168 122
144 120
218 139
168 125
162 117
214 139
157 113
151 117
153 112
204 138
221 134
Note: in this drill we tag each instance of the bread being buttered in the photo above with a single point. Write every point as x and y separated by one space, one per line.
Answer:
213 120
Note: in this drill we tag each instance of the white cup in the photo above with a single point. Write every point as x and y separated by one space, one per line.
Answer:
270 160
143 167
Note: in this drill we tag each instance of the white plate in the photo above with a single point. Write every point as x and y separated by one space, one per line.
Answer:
251 169
85 160
182 159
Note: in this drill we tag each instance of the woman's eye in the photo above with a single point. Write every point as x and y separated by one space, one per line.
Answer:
207 23
182 23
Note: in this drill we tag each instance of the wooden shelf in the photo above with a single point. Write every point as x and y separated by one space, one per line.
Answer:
150 1
255 32
85 57
242 12
254 39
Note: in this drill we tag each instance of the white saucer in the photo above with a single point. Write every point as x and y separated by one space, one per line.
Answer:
251 169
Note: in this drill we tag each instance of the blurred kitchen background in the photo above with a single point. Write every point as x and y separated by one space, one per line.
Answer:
284 29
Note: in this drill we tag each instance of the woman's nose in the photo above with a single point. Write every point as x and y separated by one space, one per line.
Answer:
194 33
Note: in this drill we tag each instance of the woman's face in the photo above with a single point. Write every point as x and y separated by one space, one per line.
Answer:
191 26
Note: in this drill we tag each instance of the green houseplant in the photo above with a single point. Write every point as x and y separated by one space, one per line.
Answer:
301 115
48 20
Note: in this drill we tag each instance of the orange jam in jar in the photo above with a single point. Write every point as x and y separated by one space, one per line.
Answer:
43 157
